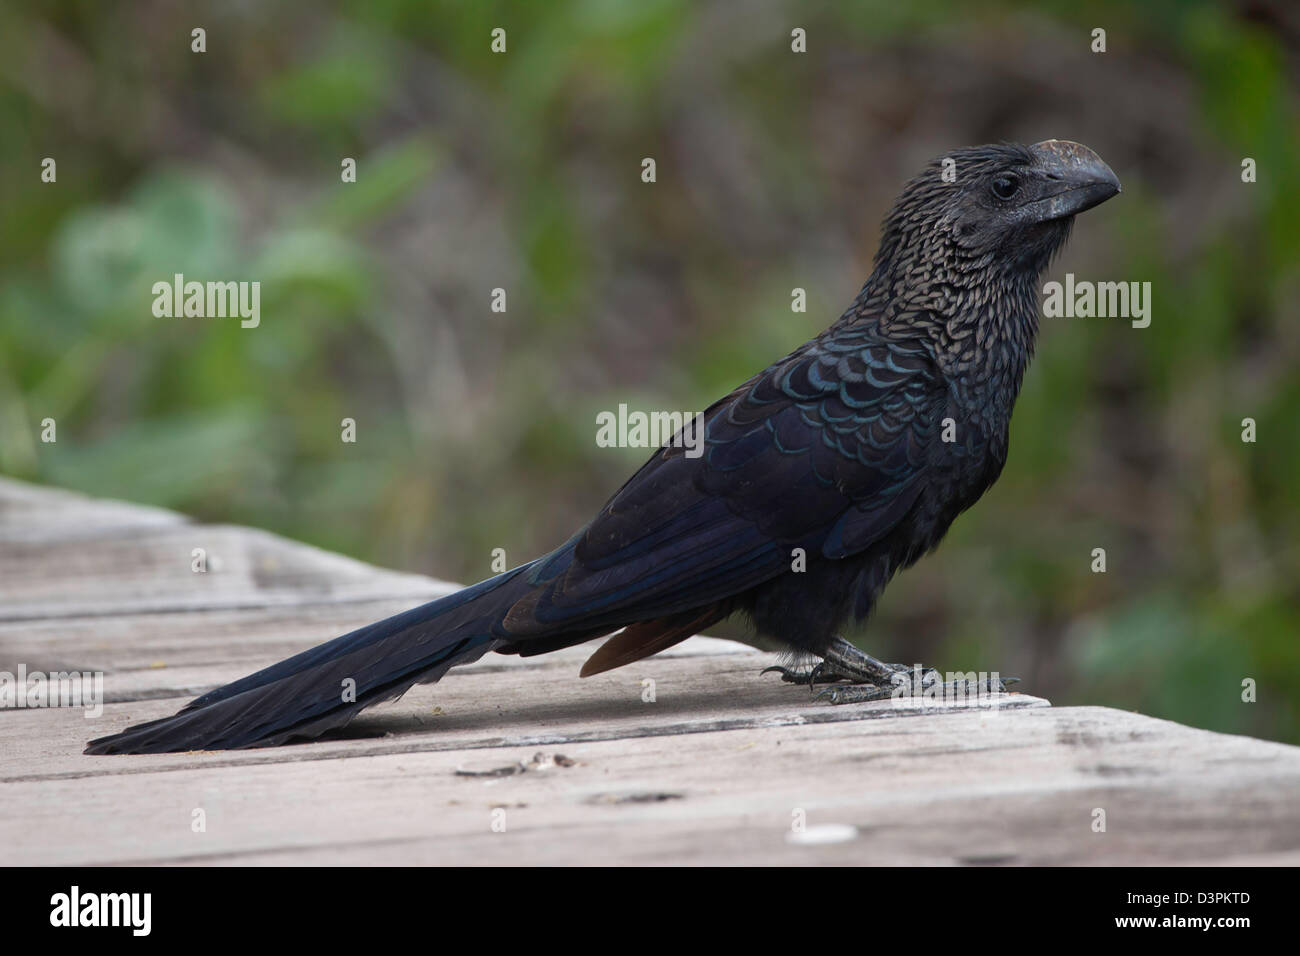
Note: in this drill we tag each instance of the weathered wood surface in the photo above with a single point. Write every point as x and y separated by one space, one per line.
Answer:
715 770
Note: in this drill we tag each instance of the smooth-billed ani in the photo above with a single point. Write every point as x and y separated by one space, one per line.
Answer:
860 448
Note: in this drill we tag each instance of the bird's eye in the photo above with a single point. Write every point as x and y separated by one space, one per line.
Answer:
1004 187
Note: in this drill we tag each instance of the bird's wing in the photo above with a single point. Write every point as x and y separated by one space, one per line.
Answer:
825 451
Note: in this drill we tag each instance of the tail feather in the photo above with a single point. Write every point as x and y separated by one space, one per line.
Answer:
325 687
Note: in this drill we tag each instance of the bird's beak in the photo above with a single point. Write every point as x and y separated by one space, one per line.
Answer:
1080 180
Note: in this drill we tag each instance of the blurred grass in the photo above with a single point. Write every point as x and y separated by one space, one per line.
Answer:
477 171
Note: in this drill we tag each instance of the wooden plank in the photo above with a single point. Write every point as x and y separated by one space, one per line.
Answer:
1019 787
186 653
183 653
151 570
496 702
30 513
714 769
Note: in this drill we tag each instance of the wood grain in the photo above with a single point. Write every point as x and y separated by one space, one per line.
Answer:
721 766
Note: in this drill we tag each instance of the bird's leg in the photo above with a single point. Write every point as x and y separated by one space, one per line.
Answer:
864 668
843 662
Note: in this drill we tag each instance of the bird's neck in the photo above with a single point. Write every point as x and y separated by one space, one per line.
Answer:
979 321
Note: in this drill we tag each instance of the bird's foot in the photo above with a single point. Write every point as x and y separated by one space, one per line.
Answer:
870 679
855 667
922 683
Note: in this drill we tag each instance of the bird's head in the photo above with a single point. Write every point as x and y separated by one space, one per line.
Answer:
993 208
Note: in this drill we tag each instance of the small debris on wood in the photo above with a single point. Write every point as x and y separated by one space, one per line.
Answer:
538 761
616 798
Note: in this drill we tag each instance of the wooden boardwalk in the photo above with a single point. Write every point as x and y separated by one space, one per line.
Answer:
520 762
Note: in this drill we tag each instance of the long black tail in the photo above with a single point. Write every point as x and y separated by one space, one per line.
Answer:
327 686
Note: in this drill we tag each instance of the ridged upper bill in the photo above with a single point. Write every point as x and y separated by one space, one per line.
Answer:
1084 180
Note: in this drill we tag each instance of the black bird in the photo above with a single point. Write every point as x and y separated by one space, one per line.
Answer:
859 448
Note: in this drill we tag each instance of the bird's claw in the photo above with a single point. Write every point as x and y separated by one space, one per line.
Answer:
787 675
821 672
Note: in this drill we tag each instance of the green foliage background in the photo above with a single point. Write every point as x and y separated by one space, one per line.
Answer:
476 429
